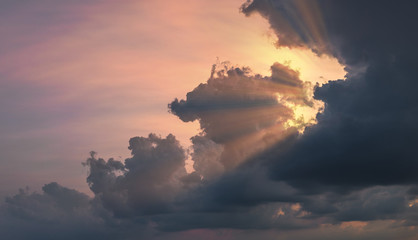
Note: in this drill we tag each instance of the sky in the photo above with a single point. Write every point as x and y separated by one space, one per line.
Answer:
266 119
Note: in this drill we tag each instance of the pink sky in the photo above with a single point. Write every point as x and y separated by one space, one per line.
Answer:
92 76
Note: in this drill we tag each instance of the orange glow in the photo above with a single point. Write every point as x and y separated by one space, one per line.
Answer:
354 224
413 203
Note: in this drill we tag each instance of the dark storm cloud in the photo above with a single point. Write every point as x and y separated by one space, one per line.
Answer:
153 186
367 133
375 203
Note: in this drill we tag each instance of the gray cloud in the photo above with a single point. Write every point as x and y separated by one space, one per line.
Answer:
57 212
242 111
207 157
235 95
296 23
147 183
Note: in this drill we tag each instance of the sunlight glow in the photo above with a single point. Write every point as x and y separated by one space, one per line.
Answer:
413 203
304 115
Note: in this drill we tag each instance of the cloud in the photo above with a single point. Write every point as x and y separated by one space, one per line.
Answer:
57 212
206 157
146 183
245 112
366 133
365 136
233 94
296 23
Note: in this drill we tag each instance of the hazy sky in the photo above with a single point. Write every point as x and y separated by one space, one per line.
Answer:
78 76
261 119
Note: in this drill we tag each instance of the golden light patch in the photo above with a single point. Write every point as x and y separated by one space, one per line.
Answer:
353 224
296 207
312 68
279 213
412 203
304 115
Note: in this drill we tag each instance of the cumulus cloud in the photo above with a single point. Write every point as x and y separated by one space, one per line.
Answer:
235 95
245 112
146 183
206 157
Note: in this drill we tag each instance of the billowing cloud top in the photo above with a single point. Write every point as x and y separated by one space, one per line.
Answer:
245 112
